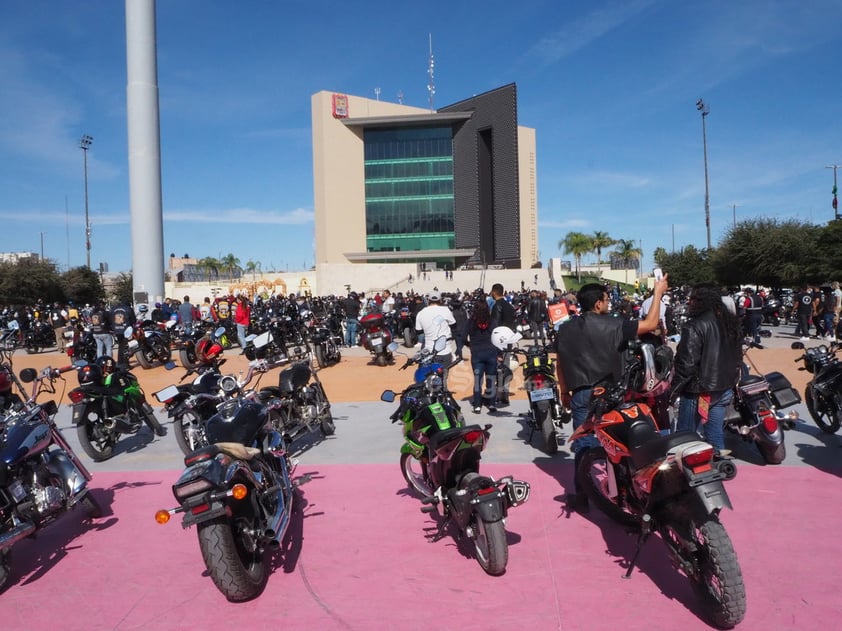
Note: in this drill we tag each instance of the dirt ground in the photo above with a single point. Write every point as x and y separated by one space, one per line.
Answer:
356 378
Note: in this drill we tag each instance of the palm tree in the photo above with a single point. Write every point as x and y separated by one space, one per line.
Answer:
601 240
210 266
627 252
230 264
577 244
252 267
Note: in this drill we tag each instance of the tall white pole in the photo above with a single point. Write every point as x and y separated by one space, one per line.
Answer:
145 200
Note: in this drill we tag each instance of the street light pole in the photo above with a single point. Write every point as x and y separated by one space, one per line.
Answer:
42 246
835 203
705 110
85 144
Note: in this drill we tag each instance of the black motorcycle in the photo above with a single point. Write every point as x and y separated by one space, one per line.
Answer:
447 454
754 413
41 475
38 337
150 343
405 327
109 403
82 347
325 335
239 493
823 394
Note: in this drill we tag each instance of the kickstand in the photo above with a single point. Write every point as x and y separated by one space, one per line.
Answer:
440 531
645 531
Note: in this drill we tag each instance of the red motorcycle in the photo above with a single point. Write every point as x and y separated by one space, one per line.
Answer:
376 337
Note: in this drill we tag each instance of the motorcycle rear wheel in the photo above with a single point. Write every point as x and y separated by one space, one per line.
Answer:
593 475
190 432
238 573
826 413
145 358
415 473
321 358
704 546
490 545
772 453
544 418
380 359
96 441
187 357
407 338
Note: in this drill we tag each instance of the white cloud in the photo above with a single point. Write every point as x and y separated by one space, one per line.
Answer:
242 216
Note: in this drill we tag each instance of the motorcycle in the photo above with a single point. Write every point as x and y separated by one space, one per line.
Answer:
326 338
239 493
150 344
754 412
823 393
108 403
82 346
546 412
38 337
406 327
669 484
377 337
446 454
772 312
42 476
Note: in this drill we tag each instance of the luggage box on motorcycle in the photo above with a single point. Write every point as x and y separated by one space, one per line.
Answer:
371 320
783 394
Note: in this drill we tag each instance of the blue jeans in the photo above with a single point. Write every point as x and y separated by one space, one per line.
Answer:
484 365
241 334
104 344
579 405
829 329
689 419
351 331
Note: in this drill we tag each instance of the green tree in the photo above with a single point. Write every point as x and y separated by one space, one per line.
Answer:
578 244
82 285
230 264
123 291
600 240
628 253
252 268
688 266
27 281
210 266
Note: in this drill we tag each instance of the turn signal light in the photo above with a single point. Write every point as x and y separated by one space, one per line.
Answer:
162 516
239 491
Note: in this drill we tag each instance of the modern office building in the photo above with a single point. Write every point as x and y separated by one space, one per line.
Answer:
446 188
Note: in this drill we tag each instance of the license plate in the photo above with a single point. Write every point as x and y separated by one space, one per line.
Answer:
166 394
541 395
376 339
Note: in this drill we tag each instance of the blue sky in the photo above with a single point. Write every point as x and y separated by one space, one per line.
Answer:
610 88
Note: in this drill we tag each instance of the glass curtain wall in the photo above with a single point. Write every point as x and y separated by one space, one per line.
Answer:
409 189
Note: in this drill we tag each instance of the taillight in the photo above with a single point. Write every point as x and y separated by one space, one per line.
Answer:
539 381
770 423
487 490
201 508
698 457
472 436
76 396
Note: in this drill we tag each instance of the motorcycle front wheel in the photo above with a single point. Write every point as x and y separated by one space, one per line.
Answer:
490 545
321 358
826 412
96 440
190 432
326 423
415 473
708 558
594 471
187 357
239 573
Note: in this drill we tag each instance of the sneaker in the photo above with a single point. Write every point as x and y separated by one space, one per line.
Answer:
578 502
477 410
492 409
804 339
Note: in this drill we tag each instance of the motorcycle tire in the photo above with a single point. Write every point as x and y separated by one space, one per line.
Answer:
145 358
5 568
32 348
593 477
161 350
96 441
490 545
380 359
544 419
238 573
91 506
407 338
773 453
326 423
704 546
187 357
189 432
827 414
321 358
417 480
148 415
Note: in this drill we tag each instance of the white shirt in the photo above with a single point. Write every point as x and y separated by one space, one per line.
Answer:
388 304
435 321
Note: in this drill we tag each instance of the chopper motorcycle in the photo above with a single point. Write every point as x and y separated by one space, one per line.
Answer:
669 484
823 393
446 454
41 475
239 493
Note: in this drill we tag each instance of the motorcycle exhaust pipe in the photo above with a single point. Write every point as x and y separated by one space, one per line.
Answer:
277 526
8 539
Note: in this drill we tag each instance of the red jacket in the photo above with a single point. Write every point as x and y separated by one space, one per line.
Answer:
242 313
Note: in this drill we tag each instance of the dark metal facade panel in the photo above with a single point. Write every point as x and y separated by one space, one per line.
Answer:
485 175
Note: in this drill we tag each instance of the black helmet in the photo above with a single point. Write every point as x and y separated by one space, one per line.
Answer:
106 364
90 374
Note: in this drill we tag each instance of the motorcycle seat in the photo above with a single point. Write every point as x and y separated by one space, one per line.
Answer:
446 435
750 379
649 451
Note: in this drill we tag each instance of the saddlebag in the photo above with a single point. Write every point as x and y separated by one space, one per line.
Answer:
783 394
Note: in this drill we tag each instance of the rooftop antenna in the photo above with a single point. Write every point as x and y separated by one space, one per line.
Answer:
431 86
377 93
400 97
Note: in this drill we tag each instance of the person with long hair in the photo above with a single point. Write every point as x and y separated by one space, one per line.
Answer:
707 364
477 335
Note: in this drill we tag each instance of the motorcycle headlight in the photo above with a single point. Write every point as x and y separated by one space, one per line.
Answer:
434 383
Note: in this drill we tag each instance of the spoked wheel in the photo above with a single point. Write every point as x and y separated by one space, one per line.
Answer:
544 418
415 473
707 556
190 432
595 472
91 506
96 440
827 413
233 558
325 415
490 543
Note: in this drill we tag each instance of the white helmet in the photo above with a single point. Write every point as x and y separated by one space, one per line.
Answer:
503 337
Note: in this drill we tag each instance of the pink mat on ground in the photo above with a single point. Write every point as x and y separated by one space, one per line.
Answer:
359 560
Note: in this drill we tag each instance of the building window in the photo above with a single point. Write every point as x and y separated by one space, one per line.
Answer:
409 189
